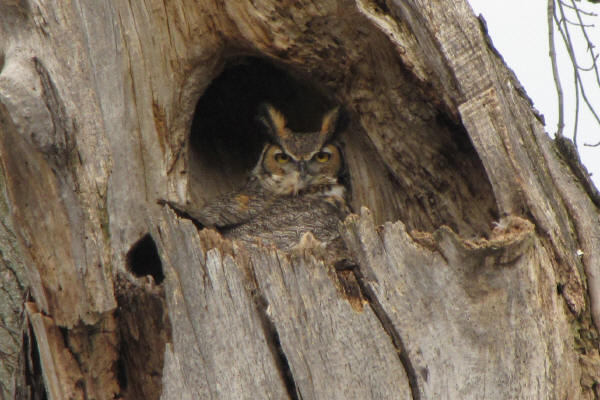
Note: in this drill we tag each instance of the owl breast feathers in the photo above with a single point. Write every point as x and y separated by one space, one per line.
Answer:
293 190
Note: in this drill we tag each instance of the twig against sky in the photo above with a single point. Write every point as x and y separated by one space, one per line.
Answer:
557 19
552 47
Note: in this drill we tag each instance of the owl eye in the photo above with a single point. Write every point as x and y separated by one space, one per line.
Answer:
322 156
282 158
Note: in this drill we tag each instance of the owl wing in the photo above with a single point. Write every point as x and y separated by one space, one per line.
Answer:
228 210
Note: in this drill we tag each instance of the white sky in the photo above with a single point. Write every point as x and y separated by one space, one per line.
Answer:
519 31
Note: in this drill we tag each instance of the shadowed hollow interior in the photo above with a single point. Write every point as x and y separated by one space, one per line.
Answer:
226 140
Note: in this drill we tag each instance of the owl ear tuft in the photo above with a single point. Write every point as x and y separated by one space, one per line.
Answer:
329 122
273 119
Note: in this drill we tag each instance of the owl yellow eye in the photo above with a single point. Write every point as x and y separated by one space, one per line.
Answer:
282 158
322 156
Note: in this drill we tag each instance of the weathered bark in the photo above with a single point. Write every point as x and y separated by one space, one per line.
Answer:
478 252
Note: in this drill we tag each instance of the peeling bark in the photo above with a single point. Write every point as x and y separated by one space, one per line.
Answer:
477 251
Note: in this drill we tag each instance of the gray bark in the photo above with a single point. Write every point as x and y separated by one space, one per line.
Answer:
478 247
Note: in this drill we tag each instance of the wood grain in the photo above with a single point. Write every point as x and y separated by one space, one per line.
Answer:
478 259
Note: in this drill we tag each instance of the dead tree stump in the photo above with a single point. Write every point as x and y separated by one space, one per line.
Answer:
478 246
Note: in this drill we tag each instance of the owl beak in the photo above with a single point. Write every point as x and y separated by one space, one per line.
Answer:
302 169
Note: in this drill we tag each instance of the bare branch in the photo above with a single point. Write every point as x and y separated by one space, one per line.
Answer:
589 42
552 53
576 123
591 14
577 23
562 25
570 50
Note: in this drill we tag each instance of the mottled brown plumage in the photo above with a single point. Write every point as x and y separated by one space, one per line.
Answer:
294 191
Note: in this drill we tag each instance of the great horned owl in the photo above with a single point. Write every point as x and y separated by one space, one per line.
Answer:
294 190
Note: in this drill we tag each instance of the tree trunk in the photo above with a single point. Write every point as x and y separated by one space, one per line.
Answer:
476 237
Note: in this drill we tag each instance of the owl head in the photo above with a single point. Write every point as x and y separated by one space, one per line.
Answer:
296 161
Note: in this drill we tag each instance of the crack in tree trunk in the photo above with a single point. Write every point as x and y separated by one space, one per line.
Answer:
275 346
387 324
107 106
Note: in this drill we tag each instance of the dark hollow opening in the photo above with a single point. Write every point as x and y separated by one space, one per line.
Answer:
35 388
438 178
122 369
143 259
144 330
226 139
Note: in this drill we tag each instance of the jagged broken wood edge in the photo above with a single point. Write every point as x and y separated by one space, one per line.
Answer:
126 212
476 317
263 322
